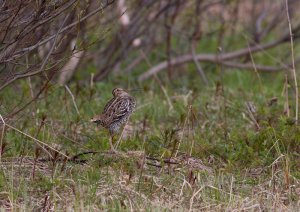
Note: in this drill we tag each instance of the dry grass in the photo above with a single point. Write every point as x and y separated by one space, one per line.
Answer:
184 184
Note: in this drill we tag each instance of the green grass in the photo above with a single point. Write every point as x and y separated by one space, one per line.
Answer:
233 165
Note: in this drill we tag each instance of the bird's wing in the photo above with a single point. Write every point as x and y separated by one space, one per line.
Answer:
108 104
123 108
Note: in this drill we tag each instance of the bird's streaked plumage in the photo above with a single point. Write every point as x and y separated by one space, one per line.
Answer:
116 112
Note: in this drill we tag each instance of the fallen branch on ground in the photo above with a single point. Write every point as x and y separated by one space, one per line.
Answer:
223 59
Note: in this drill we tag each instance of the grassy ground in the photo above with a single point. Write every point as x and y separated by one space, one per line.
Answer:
226 146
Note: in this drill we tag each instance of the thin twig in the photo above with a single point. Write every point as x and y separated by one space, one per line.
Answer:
29 102
42 68
52 48
62 30
26 73
38 141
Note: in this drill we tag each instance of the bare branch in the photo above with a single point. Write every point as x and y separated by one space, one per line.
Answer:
221 58
27 49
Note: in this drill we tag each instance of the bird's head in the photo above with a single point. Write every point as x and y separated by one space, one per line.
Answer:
119 92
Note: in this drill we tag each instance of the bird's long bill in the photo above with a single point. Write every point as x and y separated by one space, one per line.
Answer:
134 90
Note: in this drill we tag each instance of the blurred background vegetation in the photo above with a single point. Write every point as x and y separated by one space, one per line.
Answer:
216 126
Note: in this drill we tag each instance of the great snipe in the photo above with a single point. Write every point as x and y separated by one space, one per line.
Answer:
116 112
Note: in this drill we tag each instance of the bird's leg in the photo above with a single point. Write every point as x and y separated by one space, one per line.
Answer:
112 149
120 138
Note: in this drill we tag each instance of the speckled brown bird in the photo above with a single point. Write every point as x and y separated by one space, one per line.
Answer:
116 112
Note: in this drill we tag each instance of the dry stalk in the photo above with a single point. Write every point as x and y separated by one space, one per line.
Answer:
92 81
255 69
293 61
231 189
286 94
73 98
38 141
193 134
198 66
194 195
171 108
287 171
184 125
31 88
2 136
